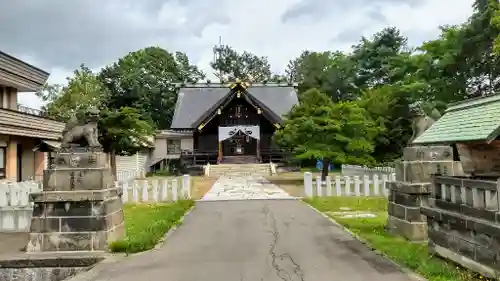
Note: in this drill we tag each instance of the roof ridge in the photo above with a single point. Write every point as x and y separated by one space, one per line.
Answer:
228 85
477 101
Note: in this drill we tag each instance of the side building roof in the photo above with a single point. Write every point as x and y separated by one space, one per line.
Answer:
194 101
470 120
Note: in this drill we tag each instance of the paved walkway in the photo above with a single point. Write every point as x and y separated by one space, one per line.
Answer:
254 240
244 187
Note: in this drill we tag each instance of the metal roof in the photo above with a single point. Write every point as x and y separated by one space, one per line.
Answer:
471 120
193 102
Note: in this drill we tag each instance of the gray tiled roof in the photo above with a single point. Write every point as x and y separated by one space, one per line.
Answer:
193 102
279 99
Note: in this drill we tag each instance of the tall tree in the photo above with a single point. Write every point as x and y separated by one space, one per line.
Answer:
228 65
495 22
375 58
146 79
82 92
121 131
329 72
339 132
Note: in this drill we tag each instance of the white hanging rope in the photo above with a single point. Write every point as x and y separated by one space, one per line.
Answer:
227 132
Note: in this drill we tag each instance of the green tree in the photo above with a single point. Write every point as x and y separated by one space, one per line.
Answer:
338 133
377 58
495 22
146 79
388 108
329 72
121 131
83 91
229 65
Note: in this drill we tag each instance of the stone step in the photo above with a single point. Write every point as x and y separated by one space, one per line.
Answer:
228 169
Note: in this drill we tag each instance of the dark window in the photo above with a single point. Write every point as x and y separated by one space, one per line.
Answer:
173 146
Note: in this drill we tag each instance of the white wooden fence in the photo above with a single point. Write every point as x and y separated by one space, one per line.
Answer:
156 190
354 170
16 208
347 185
126 176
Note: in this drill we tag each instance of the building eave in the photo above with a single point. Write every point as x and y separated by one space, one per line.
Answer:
20 75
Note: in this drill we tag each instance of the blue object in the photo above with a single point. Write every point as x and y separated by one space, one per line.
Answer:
319 165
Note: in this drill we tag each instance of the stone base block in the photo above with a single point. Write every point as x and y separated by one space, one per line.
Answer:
77 179
428 153
422 171
413 231
74 241
79 225
410 188
484 269
409 214
75 196
88 159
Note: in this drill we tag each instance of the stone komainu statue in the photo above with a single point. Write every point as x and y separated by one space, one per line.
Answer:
423 122
77 131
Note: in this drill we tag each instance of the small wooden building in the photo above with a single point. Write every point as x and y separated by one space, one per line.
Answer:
473 127
463 212
234 120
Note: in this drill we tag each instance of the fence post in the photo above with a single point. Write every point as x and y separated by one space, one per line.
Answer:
174 189
3 196
164 190
154 184
124 187
347 181
319 191
376 185
357 187
366 183
308 184
135 191
328 186
145 191
338 186
384 185
186 186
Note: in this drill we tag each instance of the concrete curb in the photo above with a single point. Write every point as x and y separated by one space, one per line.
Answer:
111 259
412 275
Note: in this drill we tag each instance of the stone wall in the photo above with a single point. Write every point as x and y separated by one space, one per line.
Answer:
412 187
45 268
464 222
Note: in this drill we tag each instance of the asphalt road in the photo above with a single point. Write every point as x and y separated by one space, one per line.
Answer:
256 240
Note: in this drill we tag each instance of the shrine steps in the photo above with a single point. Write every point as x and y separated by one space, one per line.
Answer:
263 169
243 159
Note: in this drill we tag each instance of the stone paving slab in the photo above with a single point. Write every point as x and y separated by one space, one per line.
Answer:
244 187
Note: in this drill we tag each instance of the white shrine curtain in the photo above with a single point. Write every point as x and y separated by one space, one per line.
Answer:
227 132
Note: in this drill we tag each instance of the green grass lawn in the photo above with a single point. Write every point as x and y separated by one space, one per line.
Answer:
412 256
146 224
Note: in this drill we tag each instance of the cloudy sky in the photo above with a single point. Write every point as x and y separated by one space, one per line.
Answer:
59 35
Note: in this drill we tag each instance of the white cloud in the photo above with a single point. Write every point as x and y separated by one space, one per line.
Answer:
281 29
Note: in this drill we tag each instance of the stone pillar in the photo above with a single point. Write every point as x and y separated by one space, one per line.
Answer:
11 160
413 185
79 209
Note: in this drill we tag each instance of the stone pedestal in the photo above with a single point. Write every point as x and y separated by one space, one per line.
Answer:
79 208
413 186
